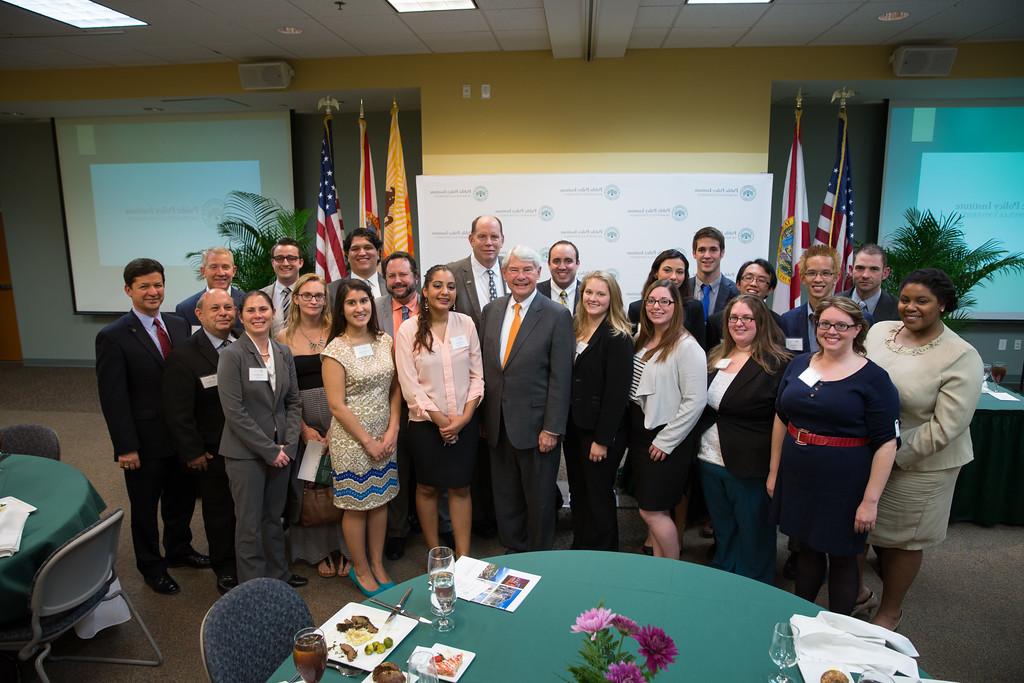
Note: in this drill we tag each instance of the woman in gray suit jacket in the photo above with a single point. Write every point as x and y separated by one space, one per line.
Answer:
260 397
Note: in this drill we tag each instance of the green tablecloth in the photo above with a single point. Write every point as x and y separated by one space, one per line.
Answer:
67 503
988 489
721 623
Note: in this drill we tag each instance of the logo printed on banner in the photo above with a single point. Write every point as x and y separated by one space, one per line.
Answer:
679 213
546 213
611 234
480 193
745 236
611 192
748 193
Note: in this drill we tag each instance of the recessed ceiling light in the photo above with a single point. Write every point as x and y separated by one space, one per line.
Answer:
80 13
152 109
430 5
727 2
895 15
289 30
11 113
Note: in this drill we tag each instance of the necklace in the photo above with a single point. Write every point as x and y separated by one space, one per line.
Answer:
314 345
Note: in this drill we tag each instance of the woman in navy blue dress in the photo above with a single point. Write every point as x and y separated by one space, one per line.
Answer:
833 445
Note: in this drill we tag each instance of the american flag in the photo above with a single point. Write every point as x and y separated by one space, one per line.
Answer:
794 234
835 226
330 230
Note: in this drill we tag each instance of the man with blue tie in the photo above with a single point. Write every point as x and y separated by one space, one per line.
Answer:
712 289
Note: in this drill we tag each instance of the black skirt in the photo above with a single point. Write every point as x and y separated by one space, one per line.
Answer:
657 485
438 464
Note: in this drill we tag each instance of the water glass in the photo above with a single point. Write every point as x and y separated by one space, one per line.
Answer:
421 665
440 558
310 654
783 649
444 595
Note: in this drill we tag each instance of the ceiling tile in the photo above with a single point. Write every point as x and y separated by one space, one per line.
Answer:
862 27
702 37
468 41
508 4
720 16
523 40
445 22
974 21
516 19
794 24
655 17
646 38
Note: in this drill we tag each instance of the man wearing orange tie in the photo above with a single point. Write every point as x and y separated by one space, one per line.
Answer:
527 347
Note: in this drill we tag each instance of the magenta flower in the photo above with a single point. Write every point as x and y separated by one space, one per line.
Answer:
624 672
624 625
657 647
593 621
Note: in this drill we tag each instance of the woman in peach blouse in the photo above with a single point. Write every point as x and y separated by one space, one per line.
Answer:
437 355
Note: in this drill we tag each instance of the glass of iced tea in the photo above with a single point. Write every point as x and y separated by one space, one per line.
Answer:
310 654
998 371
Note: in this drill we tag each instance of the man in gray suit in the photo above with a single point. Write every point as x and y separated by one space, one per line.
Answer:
286 259
869 272
527 350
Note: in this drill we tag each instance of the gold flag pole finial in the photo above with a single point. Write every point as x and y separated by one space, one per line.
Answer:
362 115
842 95
800 99
328 105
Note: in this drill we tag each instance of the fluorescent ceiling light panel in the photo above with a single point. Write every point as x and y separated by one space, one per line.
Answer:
430 5
80 13
727 2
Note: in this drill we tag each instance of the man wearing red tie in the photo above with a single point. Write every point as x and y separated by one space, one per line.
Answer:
130 357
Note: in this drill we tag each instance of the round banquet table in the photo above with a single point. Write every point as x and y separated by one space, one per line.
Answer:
721 623
66 504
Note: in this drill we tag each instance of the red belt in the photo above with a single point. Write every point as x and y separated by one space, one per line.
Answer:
806 438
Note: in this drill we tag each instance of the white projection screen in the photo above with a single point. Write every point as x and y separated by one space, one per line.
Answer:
154 187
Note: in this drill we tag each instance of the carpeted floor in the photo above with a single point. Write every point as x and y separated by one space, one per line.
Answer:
964 613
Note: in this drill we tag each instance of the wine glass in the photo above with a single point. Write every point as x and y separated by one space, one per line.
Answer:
310 654
421 665
444 596
998 371
783 649
440 558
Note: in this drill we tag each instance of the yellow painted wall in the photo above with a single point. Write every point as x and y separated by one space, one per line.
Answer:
653 110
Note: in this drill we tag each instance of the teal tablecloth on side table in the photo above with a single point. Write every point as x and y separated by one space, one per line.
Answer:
721 623
67 503
988 489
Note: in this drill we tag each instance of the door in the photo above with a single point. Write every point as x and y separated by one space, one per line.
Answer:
10 341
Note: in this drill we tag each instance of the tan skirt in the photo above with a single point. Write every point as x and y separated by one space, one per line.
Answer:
913 512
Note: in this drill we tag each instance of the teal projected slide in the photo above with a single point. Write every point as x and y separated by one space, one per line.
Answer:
968 160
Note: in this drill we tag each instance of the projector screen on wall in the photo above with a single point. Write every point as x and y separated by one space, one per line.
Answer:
154 187
965 158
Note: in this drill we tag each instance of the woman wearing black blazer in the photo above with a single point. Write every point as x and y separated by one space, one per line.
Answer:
595 437
672 265
736 434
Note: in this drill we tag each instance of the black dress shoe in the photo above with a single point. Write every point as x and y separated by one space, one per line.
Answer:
394 547
193 559
226 583
448 539
163 584
296 581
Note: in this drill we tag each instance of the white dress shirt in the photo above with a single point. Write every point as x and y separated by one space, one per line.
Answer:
482 280
570 294
147 324
373 283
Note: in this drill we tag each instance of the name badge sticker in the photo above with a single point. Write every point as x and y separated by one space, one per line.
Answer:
363 351
209 381
723 364
794 343
897 425
258 375
459 342
810 377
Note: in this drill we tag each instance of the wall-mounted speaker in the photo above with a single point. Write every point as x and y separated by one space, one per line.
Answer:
916 61
265 75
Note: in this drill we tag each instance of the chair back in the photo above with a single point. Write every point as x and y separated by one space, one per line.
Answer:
78 569
28 439
249 631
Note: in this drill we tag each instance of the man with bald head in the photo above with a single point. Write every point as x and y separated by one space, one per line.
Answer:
195 421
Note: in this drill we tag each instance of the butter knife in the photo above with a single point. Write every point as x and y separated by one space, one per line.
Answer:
398 605
404 612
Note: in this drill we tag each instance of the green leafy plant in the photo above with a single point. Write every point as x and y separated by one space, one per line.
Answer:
929 242
250 224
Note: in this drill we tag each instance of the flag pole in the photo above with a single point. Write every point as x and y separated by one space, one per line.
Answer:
842 95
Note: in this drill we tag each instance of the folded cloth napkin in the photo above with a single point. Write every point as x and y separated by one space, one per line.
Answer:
13 515
834 640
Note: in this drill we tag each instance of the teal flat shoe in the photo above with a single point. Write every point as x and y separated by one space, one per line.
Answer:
362 589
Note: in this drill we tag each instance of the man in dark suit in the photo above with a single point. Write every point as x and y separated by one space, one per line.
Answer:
756 278
870 269
286 259
130 359
478 281
563 287
195 421
819 272
527 351
712 289
362 251
218 269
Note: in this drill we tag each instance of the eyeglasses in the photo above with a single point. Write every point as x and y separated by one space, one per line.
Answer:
814 274
737 319
282 258
306 296
825 326
664 303
759 279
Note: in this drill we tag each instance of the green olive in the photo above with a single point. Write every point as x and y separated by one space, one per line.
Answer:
388 642
368 650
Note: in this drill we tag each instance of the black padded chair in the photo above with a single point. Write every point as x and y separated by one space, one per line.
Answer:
30 440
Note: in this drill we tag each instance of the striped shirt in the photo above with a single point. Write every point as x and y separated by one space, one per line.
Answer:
638 370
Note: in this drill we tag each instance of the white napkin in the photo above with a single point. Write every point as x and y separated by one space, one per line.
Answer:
13 515
851 644
111 612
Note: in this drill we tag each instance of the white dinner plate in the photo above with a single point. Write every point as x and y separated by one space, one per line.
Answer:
397 630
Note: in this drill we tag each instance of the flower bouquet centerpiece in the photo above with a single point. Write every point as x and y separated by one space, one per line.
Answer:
605 657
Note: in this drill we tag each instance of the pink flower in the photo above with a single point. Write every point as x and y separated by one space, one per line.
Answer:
624 625
593 621
624 672
657 647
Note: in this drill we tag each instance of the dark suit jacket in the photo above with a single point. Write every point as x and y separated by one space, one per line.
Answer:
715 327
532 391
129 372
727 289
545 289
187 308
333 285
886 308
601 378
745 418
794 326
693 319
466 299
192 413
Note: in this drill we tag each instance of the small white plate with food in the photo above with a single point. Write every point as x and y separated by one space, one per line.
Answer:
357 635
450 662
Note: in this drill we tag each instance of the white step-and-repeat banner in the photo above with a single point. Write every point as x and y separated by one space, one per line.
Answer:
619 222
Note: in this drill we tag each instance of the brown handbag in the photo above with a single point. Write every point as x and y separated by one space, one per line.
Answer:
318 506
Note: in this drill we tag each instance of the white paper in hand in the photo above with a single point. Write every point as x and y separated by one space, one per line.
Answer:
310 461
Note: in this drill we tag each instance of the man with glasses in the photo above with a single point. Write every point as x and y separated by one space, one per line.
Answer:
286 259
819 271
869 271
756 278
